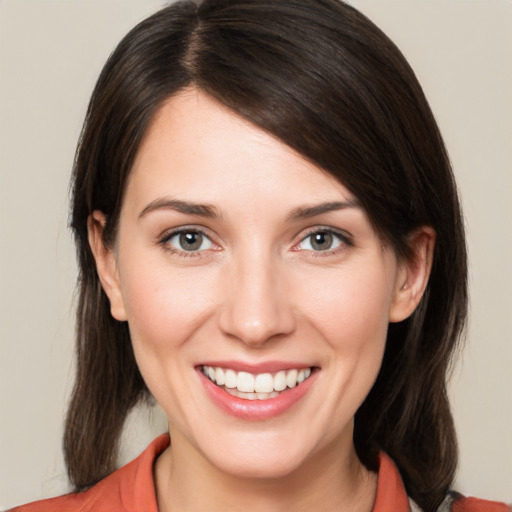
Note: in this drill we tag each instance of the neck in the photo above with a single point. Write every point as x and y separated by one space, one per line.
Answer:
332 480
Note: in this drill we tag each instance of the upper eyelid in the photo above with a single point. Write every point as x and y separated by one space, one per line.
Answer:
169 233
344 235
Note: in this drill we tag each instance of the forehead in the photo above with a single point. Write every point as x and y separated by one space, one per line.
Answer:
199 150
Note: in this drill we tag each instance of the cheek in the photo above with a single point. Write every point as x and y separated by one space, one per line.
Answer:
351 314
351 309
163 304
165 307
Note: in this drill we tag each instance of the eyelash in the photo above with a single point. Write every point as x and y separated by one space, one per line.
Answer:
344 241
164 242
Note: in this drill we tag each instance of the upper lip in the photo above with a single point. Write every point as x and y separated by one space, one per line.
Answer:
255 368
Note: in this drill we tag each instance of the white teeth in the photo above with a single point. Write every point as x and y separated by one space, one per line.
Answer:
252 396
264 383
219 376
251 387
291 378
245 382
280 381
247 396
230 379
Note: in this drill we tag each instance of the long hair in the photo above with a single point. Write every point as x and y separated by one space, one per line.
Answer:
322 78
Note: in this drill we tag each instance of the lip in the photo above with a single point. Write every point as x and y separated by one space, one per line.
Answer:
255 410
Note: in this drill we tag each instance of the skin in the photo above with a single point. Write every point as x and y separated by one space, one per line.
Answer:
255 291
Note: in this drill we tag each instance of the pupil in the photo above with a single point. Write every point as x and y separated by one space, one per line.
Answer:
321 241
190 241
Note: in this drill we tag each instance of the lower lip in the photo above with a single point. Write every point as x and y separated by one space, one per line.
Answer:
256 410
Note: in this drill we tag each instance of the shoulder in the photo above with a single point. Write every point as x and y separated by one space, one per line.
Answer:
463 504
455 502
392 495
74 502
129 489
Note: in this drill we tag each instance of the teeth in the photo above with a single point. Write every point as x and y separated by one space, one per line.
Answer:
264 383
280 381
252 396
245 382
230 378
291 378
219 376
251 387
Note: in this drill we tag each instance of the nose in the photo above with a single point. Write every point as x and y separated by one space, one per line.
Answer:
256 306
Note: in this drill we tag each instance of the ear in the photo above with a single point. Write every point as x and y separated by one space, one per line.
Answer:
106 264
413 274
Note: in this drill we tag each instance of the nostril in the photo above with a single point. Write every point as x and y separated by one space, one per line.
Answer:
257 325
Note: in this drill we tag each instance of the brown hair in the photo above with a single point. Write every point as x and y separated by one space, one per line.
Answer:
326 81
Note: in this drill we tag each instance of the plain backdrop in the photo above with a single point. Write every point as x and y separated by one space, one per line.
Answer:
51 52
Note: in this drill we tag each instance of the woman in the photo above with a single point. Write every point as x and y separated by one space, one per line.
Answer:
270 244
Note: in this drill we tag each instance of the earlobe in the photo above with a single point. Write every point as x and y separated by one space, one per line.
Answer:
413 274
106 265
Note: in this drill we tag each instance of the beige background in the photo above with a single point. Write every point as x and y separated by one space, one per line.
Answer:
50 55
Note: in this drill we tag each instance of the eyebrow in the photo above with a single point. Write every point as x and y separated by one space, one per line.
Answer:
306 212
209 211
186 207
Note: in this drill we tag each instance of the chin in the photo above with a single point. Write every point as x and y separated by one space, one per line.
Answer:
269 454
266 466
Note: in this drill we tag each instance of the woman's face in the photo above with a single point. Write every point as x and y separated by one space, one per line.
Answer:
237 258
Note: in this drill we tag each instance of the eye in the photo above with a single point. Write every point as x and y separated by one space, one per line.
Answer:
321 241
188 241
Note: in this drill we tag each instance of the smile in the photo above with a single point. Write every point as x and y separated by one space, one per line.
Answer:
261 386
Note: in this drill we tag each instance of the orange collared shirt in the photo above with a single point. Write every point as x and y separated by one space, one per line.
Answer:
132 489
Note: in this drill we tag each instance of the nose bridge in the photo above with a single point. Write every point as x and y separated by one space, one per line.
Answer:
255 306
